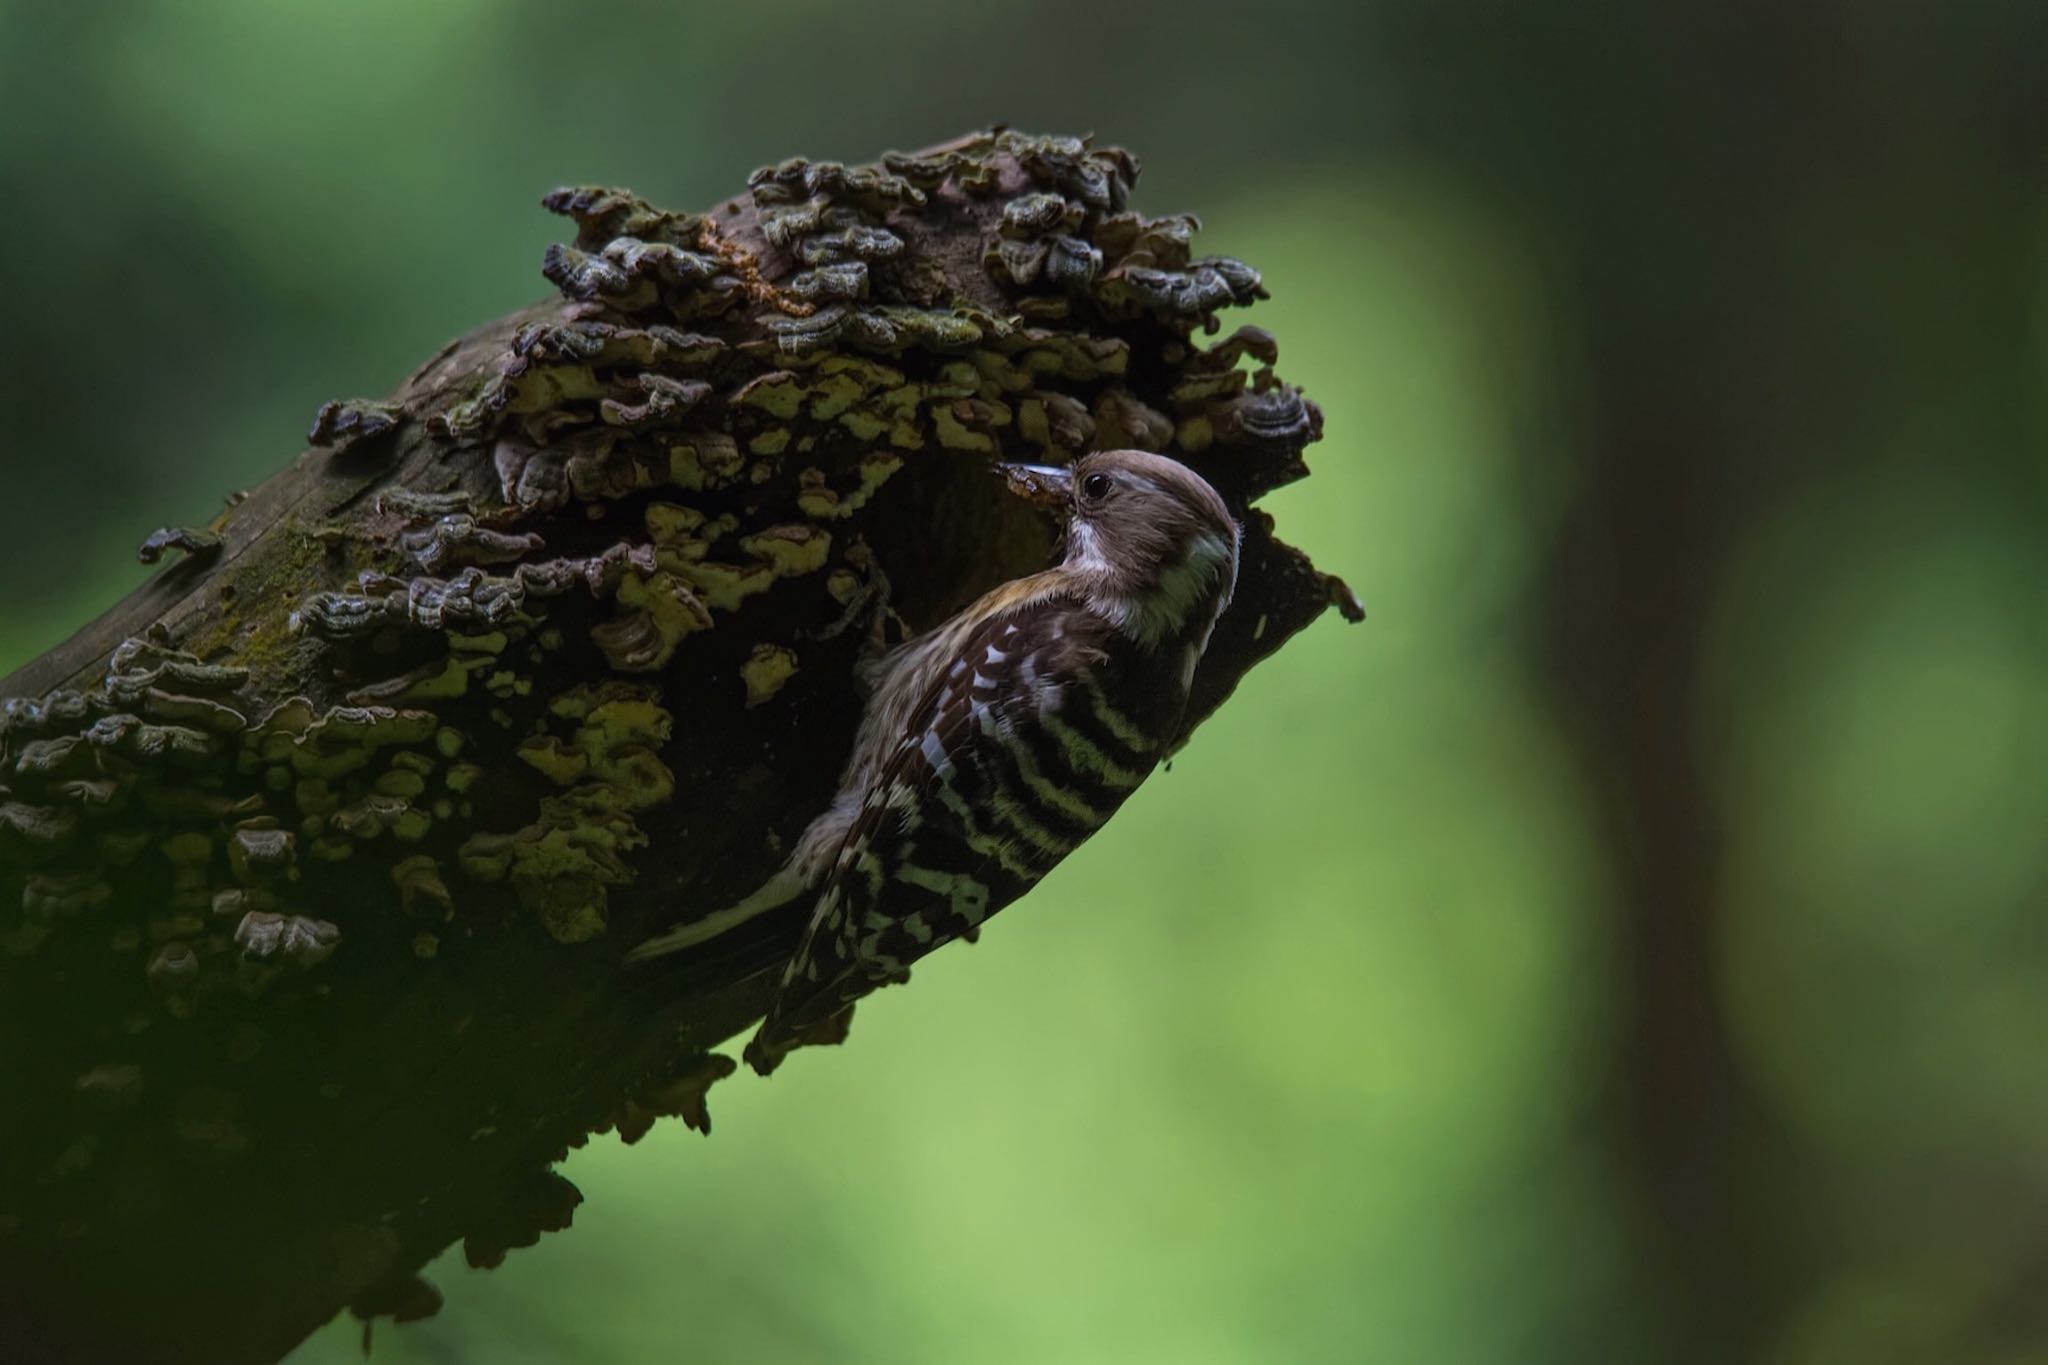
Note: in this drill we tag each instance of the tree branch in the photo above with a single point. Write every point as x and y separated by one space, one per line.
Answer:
319 852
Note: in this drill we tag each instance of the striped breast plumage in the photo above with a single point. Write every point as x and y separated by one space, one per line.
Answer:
1038 729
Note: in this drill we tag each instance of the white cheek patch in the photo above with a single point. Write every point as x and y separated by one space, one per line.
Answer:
1083 548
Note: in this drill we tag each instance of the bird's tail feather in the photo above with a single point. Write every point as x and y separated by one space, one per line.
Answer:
779 890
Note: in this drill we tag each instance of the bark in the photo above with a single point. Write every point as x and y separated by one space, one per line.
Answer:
319 853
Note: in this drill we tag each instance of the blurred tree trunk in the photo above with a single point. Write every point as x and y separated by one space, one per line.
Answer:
1770 261
318 854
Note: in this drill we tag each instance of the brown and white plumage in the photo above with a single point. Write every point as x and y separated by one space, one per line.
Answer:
996 743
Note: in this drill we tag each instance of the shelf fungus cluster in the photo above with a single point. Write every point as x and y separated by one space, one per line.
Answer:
705 421
705 418
566 629
143 779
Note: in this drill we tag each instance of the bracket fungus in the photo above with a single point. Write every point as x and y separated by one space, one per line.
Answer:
513 666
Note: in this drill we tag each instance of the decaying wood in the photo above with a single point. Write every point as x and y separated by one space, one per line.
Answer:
319 853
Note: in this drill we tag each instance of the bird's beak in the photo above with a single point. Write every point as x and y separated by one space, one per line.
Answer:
1046 485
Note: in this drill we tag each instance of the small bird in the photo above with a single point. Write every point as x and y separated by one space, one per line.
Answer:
994 744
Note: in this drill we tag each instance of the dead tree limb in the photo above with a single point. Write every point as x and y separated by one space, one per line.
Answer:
318 854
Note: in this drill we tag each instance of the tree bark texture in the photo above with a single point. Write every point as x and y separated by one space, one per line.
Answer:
319 853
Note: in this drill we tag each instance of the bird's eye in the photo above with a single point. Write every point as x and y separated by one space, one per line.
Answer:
1095 486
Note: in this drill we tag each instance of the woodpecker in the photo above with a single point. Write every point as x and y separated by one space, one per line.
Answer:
994 744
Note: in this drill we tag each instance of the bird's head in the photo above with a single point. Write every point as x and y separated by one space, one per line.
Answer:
1151 540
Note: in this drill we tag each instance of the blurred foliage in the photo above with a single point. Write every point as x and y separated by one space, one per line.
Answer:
1333 1047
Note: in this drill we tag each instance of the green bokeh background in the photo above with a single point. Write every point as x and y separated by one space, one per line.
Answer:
1422 1012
